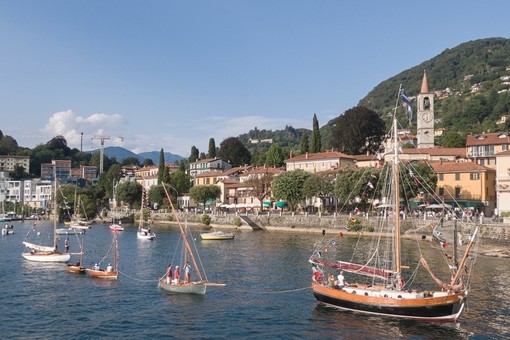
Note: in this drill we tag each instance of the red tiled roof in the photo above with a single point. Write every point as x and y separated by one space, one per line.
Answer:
458 167
437 151
488 139
211 174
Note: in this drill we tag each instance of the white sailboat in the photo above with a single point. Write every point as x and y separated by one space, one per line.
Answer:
39 253
144 233
192 279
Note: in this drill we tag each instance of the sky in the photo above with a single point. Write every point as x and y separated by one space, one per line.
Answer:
164 74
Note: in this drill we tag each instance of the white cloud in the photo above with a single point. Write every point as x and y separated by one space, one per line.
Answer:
71 126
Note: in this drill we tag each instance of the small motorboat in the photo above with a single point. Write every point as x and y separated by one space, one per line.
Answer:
8 230
217 235
116 226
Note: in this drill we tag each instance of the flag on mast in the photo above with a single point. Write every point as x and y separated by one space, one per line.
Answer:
407 104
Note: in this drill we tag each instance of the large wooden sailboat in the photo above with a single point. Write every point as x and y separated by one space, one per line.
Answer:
192 280
375 276
40 253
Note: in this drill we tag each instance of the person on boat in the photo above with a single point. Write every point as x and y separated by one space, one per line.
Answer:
169 274
331 280
176 275
341 280
96 266
66 245
109 268
187 272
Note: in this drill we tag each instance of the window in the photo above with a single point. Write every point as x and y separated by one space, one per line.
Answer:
504 147
441 177
457 176
441 191
474 176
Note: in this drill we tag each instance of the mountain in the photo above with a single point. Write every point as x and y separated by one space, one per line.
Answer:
120 153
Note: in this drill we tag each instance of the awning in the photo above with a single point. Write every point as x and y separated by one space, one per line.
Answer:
266 203
281 204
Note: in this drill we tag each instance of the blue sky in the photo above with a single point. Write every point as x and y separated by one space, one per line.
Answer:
173 74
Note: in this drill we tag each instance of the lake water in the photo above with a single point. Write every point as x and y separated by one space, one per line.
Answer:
267 294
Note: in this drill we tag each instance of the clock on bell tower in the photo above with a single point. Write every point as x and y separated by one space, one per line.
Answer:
425 115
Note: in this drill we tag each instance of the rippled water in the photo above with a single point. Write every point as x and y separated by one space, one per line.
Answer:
267 294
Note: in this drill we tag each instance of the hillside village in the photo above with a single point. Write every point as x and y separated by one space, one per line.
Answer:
476 177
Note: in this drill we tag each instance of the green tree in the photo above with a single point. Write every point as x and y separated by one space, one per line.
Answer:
8 145
361 184
162 170
453 140
288 186
148 162
315 142
193 157
130 161
180 181
18 173
212 148
319 185
274 156
130 193
304 146
203 193
157 195
358 131
234 151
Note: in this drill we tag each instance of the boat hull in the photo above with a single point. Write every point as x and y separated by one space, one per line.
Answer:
71 268
217 236
444 308
183 288
46 257
116 227
143 236
103 274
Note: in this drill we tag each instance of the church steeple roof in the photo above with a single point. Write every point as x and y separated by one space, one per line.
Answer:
424 83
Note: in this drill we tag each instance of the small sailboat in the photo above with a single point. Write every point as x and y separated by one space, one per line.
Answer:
193 279
111 271
116 226
375 276
8 229
40 253
77 267
144 233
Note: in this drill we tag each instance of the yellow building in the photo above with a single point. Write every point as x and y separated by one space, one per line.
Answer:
466 181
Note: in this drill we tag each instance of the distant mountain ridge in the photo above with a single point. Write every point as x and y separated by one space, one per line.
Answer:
121 153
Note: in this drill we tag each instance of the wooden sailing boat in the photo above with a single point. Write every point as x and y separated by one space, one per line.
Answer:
182 283
111 271
77 267
144 233
39 253
379 283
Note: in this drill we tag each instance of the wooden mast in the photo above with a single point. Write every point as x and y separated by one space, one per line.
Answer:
397 189
184 238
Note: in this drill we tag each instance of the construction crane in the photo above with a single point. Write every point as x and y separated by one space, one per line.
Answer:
102 139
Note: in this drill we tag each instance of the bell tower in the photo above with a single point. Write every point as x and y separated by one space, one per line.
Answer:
425 115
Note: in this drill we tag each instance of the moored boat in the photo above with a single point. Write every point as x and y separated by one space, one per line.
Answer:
380 282
111 270
217 235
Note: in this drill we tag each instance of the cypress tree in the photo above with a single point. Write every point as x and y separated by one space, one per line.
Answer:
315 145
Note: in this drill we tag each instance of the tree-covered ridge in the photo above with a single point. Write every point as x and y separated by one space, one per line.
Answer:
471 93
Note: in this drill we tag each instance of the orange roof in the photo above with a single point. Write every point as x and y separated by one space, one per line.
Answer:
263 170
211 174
442 167
488 139
437 151
319 156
